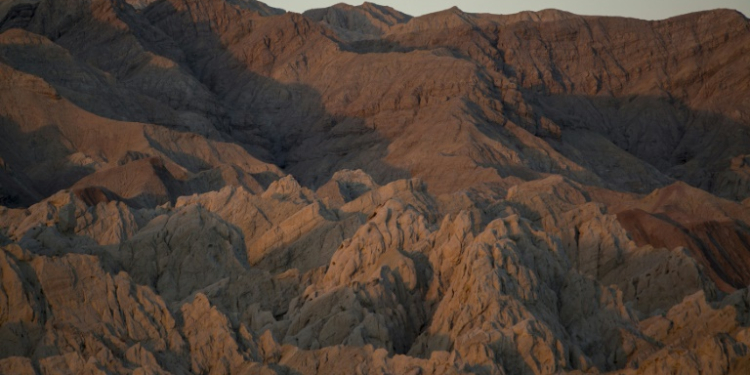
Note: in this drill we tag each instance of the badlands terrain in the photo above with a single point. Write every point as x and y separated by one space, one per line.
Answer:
222 187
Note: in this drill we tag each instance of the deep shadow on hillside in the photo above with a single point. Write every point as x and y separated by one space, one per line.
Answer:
269 119
704 149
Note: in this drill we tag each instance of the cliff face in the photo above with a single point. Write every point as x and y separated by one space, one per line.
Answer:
221 187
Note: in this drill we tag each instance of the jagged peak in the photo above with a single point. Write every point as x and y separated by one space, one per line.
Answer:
445 19
554 14
366 21
340 6
454 10
259 7
262 8
545 15
383 9
383 13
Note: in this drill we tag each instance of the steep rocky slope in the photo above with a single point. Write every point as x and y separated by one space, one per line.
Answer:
222 187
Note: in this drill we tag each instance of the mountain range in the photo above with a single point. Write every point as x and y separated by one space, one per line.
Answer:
223 187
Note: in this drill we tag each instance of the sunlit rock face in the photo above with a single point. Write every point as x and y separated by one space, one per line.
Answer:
222 187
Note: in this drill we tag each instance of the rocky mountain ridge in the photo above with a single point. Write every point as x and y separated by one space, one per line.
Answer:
222 187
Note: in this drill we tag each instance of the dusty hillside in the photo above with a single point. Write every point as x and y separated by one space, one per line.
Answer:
223 187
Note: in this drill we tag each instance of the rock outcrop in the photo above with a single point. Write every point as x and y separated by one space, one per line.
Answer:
222 187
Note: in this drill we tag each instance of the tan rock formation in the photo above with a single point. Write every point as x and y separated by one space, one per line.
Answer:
222 187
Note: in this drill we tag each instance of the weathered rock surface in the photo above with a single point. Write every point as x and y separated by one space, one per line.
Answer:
367 21
221 187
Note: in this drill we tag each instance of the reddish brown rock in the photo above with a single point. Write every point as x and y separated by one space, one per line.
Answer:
221 187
